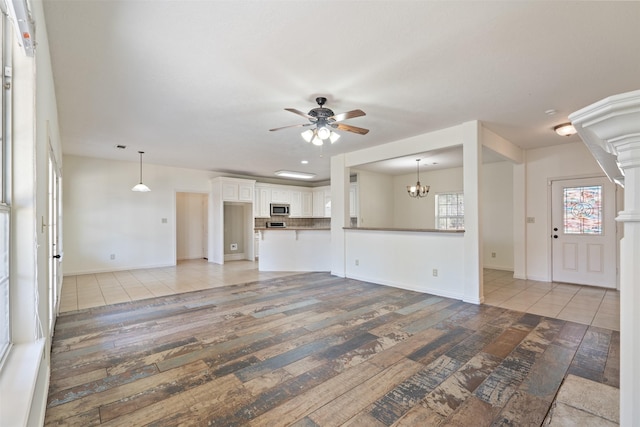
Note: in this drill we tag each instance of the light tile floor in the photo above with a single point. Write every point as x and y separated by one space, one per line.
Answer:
94 290
582 304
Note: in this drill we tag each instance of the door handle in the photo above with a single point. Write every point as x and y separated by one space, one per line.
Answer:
555 236
57 256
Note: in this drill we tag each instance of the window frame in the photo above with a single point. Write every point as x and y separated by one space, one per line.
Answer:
5 187
448 217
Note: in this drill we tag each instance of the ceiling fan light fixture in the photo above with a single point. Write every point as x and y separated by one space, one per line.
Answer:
307 135
334 136
317 141
323 132
565 129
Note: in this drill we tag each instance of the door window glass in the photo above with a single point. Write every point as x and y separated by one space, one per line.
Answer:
583 210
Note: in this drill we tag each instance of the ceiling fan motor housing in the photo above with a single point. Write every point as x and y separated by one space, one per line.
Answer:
320 113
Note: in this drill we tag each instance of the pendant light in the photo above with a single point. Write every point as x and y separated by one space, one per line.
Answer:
418 190
140 187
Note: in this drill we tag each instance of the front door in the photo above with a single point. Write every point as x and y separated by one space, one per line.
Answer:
583 232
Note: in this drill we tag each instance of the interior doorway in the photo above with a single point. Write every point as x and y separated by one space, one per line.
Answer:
192 229
583 235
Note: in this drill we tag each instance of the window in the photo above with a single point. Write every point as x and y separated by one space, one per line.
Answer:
583 210
5 210
450 211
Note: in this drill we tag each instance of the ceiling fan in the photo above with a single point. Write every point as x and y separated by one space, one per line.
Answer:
325 121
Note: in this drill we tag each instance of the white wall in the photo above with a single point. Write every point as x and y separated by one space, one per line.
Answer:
407 259
375 198
542 165
234 229
497 215
35 134
102 216
421 213
191 225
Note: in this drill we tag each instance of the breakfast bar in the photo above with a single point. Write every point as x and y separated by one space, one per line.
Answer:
294 249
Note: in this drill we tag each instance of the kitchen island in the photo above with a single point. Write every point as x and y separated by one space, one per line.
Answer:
294 249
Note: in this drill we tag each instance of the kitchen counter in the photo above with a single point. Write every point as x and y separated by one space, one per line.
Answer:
291 228
294 249
420 230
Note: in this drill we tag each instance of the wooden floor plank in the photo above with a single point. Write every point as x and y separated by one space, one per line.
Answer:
313 350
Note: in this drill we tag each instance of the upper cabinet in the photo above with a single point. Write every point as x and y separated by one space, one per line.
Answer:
236 189
322 202
263 199
302 200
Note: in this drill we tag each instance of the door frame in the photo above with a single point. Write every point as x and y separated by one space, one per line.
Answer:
618 198
53 226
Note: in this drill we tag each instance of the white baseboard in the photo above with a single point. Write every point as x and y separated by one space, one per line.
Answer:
234 257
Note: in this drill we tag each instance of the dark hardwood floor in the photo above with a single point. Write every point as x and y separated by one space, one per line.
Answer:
316 350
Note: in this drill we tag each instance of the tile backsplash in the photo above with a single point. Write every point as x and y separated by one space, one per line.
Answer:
296 222
301 222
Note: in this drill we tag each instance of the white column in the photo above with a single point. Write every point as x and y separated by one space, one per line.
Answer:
339 213
472 179
611 130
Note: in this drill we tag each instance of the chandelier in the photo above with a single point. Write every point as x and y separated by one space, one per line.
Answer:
418 190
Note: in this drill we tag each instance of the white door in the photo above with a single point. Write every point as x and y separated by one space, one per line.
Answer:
55 246
583 231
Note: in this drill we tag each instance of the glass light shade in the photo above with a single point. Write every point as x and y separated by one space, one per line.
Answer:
307 135
141 188
333 137
418 190
565 129
317 141
323 132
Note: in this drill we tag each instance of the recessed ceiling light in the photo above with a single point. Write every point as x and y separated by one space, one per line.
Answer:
304 162
550 112
296 175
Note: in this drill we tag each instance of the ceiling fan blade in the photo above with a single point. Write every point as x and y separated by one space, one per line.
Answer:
292 126
300 113
348 115
353 129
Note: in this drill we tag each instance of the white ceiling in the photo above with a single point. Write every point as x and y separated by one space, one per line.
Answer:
198 84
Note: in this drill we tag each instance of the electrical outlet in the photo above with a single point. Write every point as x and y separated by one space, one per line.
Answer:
113 256
357 262
493 254
435 272
234 246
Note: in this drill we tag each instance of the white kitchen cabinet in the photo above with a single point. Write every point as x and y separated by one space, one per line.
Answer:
236 190
262 202
322 202
280 195
318 203
307 204
295 203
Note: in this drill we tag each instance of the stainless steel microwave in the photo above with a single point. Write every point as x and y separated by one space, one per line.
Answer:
278 209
